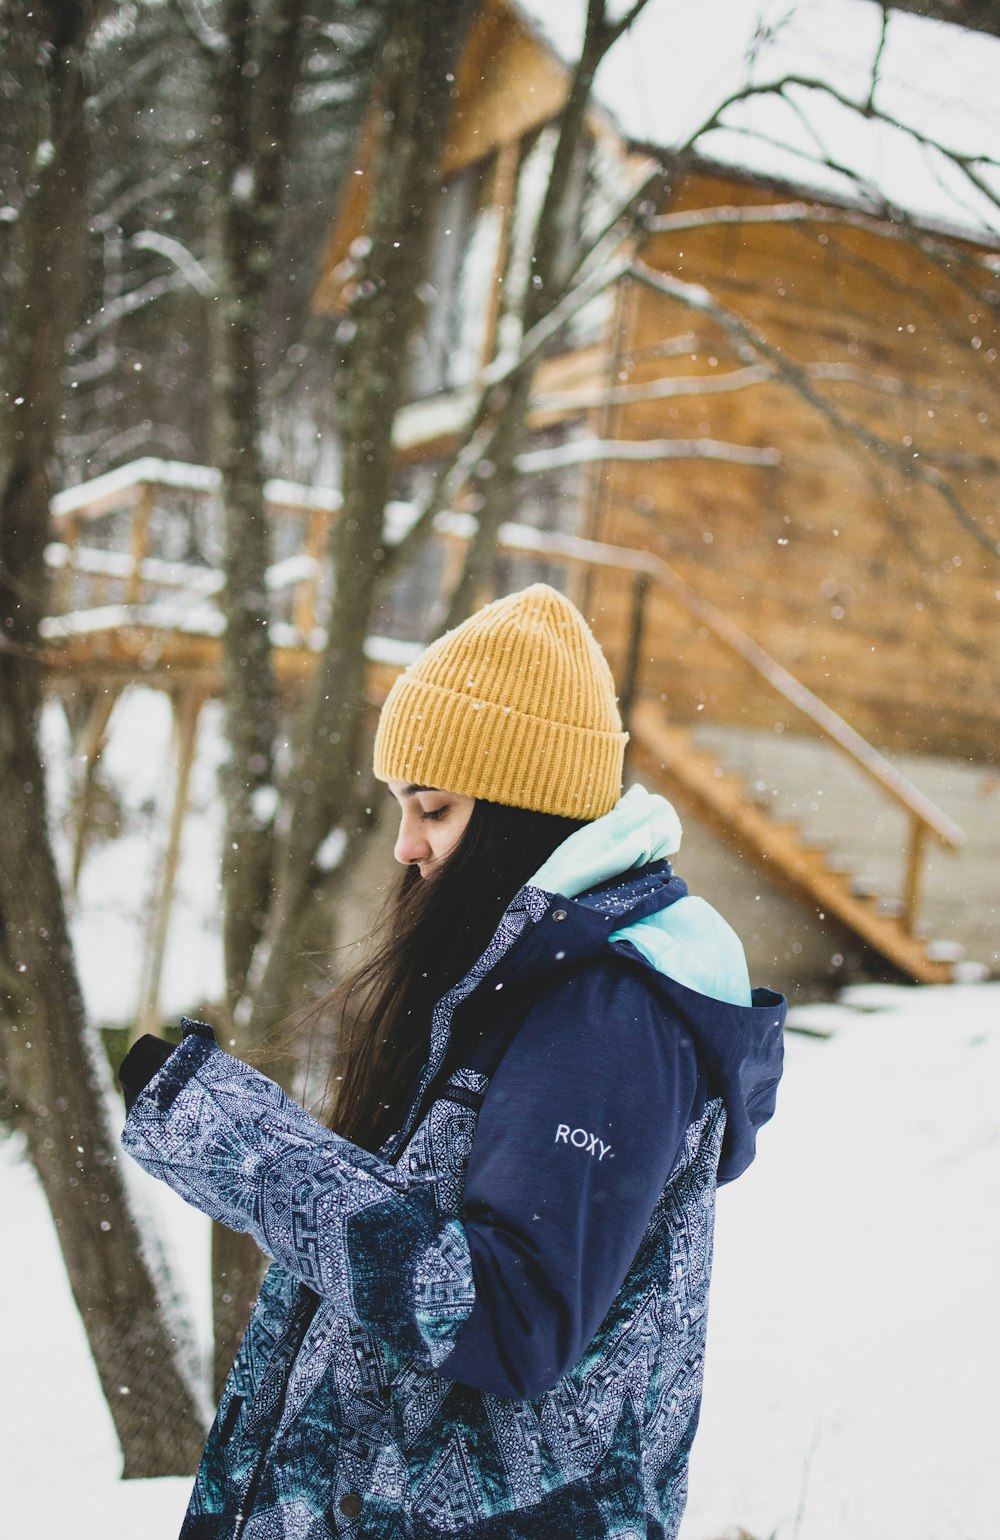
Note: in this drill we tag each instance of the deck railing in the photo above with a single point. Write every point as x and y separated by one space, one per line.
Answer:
123 579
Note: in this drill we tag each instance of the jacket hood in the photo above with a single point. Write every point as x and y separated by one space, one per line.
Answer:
687 939
616 868
640 828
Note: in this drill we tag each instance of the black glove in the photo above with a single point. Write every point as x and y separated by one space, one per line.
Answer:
140 1064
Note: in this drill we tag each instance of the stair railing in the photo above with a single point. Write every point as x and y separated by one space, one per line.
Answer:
925 819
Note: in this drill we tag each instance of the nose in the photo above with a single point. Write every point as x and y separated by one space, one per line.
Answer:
411 845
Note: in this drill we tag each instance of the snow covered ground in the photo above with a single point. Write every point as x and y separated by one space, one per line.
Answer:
854 1350
120 875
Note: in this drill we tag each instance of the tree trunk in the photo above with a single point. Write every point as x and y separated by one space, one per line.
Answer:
416 87
57 1076
555 247
252 96
244 263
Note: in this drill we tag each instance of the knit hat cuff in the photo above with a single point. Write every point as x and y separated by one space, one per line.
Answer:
431 736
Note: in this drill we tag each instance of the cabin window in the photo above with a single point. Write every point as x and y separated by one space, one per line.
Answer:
457 296
448 350
590 193
537 150
408 604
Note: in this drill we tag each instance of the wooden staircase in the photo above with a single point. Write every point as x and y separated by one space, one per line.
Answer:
121 612
671 761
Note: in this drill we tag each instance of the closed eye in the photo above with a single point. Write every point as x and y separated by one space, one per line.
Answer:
436 815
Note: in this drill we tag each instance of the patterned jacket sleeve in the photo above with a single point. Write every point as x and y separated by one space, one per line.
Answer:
358 1231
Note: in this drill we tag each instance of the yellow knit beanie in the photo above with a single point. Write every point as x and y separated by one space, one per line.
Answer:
516 705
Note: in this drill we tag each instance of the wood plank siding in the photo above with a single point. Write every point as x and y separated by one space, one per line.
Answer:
859 579
861 582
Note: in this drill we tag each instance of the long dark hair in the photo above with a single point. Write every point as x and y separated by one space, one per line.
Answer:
432 933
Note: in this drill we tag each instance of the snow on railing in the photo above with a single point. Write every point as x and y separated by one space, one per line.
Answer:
112 489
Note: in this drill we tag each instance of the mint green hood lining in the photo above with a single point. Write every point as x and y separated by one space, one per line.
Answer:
689 941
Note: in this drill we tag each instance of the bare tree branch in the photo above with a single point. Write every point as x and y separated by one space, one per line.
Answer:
750 342
877 61
951 258
535 340
126 304
966 164
802 213
480 432
616 29
672 386
212 43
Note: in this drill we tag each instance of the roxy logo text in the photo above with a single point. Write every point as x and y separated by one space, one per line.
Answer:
580 1139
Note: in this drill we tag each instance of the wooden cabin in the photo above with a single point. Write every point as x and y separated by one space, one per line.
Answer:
829 498
857 577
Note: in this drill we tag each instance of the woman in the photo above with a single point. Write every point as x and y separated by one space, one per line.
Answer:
486 1312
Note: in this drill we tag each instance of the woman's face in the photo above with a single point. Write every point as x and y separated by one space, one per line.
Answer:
431 823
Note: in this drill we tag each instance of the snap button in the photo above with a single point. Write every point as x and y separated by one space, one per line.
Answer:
559 914
350 1505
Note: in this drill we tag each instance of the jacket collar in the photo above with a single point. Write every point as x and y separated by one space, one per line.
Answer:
538 933
570 929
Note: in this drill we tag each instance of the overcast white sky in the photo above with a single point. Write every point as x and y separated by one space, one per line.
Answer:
683 57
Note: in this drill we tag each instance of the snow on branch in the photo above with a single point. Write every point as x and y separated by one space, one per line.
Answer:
673 386
128 79
587 451
796 213
653 390
126 304
183 260
114 208
213 43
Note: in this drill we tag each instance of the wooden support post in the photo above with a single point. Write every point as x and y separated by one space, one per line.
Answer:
451 570
88 748
304 607
914 875
186 709
504 196
633 658
139 541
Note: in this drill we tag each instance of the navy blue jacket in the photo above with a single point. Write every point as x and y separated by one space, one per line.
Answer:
496 1326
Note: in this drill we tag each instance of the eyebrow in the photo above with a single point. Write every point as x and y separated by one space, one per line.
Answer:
411 791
